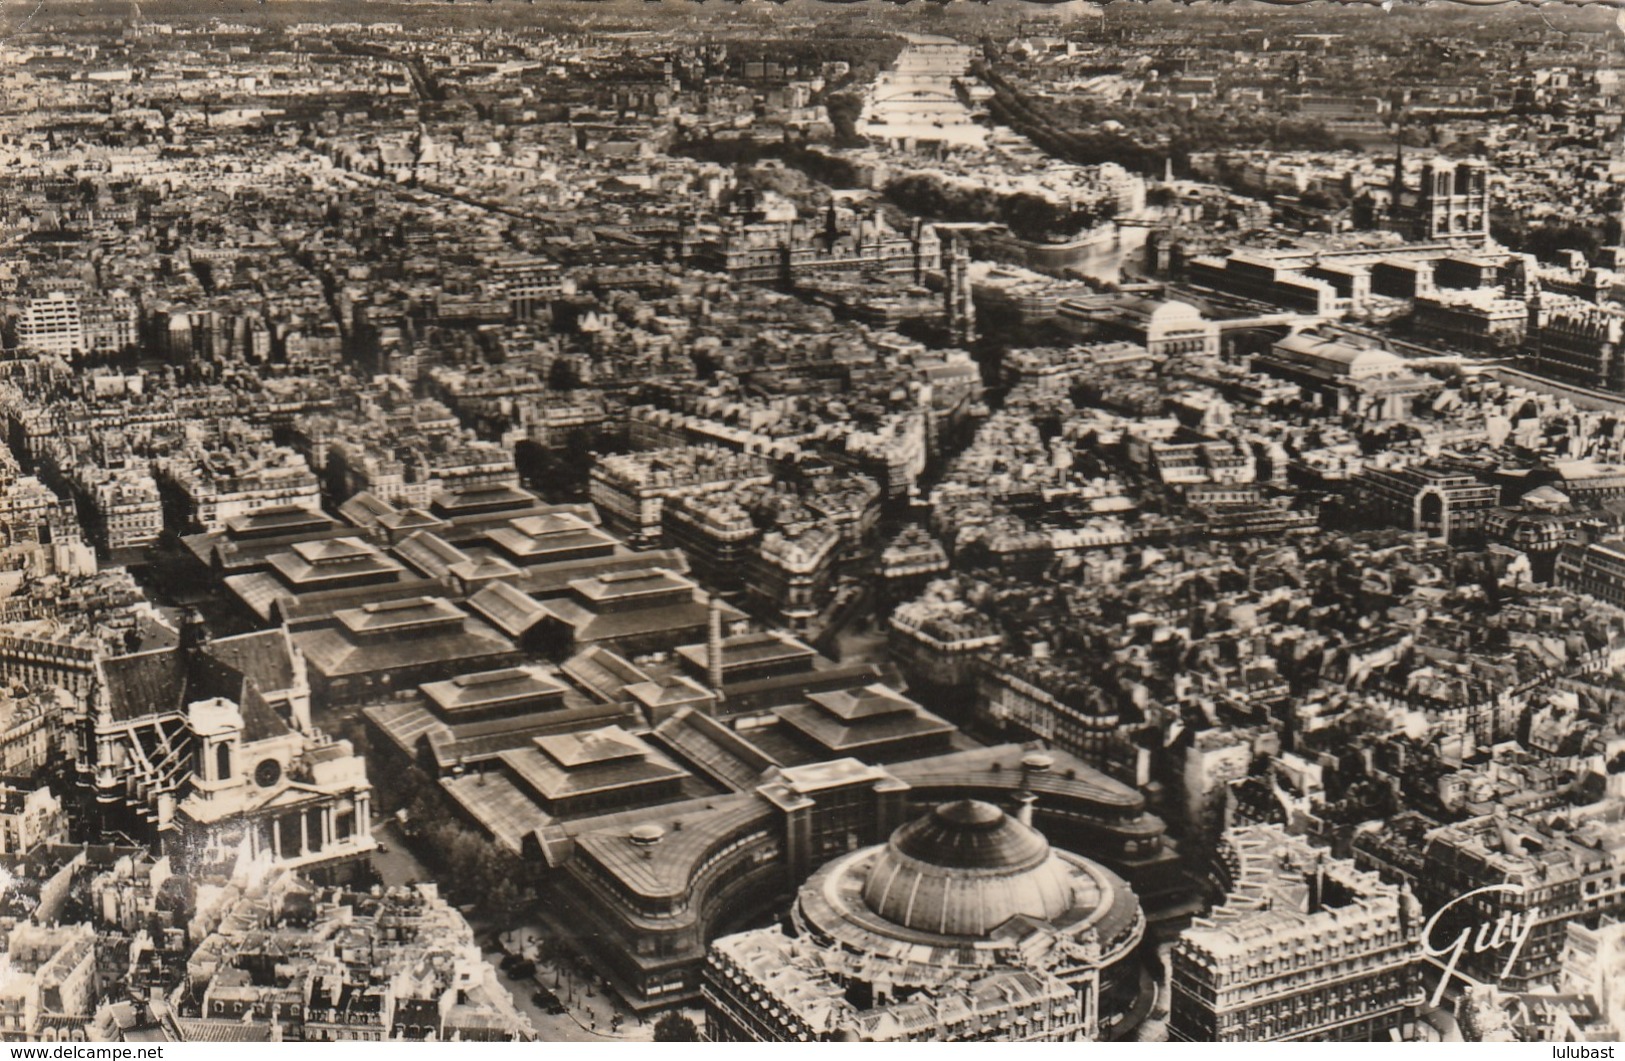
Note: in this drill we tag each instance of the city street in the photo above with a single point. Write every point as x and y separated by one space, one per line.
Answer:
590 1015
549 1027
397 865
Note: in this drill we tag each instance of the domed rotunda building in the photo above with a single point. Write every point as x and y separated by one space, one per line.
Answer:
965 925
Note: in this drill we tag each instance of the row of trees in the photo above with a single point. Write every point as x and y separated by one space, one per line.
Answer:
1010 107
1083 129
1545 238
470 867
1031 217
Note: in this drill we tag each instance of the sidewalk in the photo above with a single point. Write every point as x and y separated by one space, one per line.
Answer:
586 1002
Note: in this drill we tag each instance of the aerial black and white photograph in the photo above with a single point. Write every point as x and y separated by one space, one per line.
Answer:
590 521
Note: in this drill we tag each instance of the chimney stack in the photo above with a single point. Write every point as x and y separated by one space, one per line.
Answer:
713 646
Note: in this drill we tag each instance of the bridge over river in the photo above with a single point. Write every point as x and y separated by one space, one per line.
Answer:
915 100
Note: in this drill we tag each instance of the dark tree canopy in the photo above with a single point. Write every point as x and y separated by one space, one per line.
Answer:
676 1028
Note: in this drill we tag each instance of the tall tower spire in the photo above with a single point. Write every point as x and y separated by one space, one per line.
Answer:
713 645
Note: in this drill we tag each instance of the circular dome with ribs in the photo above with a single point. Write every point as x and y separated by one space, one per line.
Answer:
965 869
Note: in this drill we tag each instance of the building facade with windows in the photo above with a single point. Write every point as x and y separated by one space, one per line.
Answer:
964 926
1304 946
1439 502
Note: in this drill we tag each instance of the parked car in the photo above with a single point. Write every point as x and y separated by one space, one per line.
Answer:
546 999
522 969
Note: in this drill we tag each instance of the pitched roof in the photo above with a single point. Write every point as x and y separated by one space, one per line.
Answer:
210 1030
365 508
479 741
332 549
310 563
679 620
837 735
413 613
870 701
147 683
743 651
548 523
717 751
260 722
602 673
429 553
404 722
264 657
605 764
333 654
271 600
488 688
483 496
544 580
483 568
409 519
508 609
499 804
669 689
281 518
625 585
599 746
